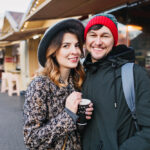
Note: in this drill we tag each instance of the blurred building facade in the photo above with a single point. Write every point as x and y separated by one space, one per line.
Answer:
21 33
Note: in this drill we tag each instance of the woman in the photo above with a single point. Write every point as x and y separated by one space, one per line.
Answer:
53 96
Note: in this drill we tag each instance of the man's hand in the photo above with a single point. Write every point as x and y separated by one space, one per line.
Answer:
89 111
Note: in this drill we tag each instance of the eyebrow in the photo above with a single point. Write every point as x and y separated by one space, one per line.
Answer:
91 31
102 33
106 33
69 43
66 43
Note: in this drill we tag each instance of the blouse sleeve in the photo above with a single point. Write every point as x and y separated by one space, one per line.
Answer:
39 133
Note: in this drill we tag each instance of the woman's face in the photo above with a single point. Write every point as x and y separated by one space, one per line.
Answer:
69 53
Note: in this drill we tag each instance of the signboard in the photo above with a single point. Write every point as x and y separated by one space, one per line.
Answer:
9 59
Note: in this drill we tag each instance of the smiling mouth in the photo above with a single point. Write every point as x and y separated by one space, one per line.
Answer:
74 59
97 49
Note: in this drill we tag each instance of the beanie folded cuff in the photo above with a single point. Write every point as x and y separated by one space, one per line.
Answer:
103 21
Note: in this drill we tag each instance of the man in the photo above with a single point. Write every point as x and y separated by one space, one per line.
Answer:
112 126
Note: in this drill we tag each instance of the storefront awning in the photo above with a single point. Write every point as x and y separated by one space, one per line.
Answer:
51 9
6 43
22 35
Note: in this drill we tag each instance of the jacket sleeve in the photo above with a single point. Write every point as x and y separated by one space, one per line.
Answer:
39 133
141 139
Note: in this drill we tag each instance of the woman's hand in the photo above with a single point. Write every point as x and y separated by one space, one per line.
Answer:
89 111
73 101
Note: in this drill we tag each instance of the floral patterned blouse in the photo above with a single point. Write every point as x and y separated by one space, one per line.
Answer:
46 123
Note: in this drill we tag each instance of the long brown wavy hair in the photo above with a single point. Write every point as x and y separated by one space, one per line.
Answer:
51 68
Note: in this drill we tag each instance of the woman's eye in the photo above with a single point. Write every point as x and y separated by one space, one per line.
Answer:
93 35
65 46
77 45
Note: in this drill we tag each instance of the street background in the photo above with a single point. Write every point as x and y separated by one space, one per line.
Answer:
11 121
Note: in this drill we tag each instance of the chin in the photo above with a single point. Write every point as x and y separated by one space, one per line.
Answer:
73 66
98 57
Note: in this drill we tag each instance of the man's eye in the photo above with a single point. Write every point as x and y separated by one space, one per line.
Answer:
105 35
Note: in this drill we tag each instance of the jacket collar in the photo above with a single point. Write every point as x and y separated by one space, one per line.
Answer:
118 56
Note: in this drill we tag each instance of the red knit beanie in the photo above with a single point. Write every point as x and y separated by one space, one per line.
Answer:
106 20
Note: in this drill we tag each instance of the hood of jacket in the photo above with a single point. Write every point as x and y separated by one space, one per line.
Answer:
118 56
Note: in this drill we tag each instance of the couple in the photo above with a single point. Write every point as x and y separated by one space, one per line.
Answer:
52 98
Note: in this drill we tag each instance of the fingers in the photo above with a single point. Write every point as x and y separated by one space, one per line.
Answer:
73 101
77 97
88 117
89 111
91 105
78 94
77 101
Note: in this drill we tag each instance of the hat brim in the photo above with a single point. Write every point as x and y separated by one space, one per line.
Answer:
52 31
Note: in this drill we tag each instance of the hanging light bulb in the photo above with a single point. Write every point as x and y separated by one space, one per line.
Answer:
134 27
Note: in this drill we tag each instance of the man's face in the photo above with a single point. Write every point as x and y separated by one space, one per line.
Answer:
99 43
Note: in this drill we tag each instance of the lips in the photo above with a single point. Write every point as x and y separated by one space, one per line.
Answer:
97 48
74 59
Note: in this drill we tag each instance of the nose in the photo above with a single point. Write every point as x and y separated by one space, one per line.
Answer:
74 49
98 40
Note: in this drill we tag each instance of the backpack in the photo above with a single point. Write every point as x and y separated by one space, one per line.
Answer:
128 89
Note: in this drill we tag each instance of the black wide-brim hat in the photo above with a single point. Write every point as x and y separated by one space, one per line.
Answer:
52 31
